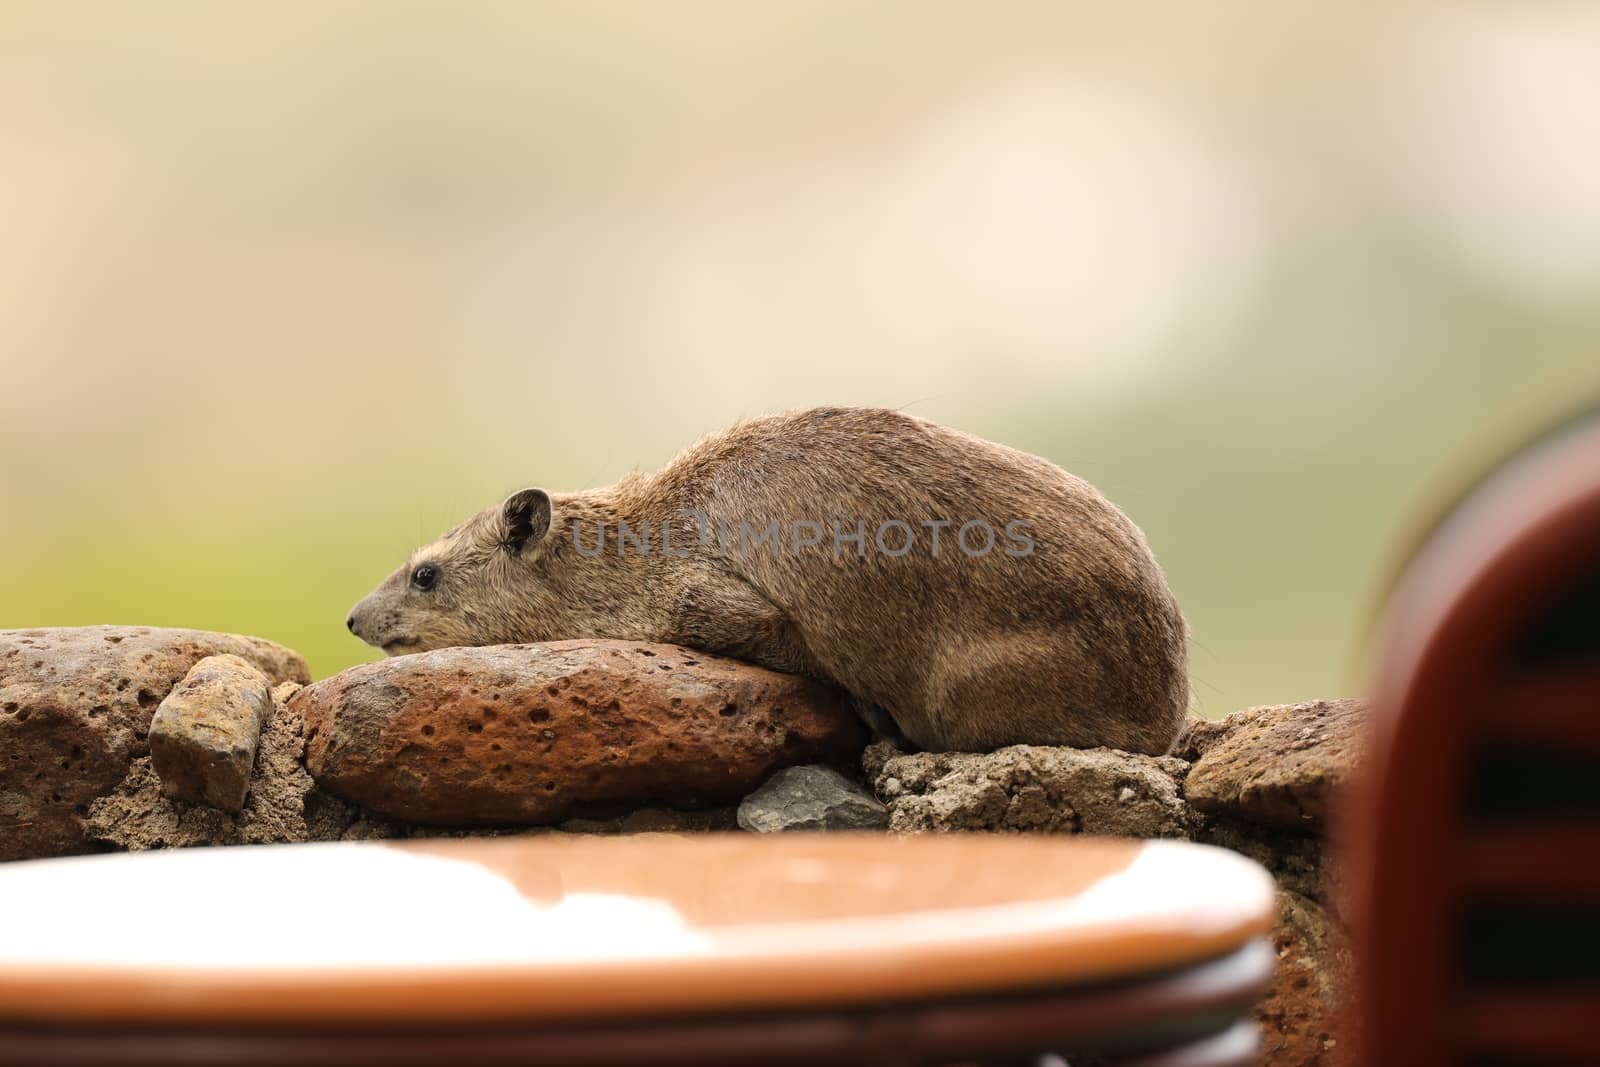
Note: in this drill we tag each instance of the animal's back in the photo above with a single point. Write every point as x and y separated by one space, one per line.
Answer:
1047 621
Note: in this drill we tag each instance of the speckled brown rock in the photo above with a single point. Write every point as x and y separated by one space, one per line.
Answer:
1035 788
526 733
204 735
75 709
1280 765
1301 1017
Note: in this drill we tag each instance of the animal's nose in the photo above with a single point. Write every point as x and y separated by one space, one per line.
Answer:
350 623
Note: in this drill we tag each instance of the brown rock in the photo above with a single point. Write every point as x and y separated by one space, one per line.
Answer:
525 733
1280 765
876 755
1299 862
75 709
1035 788
1301 1015
204 735
283 804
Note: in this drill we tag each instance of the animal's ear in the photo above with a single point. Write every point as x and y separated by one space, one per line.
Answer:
527 518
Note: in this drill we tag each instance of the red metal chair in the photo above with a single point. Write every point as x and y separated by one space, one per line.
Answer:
1474 833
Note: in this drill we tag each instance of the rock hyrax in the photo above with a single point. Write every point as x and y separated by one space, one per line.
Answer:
967 594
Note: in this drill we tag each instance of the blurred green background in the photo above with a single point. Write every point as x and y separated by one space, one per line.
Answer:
285 292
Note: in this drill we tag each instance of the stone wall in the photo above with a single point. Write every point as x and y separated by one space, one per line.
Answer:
1260 782
135 738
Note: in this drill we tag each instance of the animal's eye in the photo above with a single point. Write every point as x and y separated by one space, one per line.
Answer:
423 577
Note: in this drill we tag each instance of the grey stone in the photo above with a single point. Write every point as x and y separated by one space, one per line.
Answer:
811 798
1038 789
204 735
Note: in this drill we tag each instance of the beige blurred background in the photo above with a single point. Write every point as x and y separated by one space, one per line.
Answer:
285 291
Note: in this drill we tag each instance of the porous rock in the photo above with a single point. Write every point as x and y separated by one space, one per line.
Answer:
525 734
75 710
283 805
1034 788
1281 765
876 754
1299 862
1303 1015
204 735
811 798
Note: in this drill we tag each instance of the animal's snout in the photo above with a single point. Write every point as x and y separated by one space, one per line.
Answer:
371 622
359 621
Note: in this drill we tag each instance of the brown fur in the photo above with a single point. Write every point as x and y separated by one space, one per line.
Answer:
1077 643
